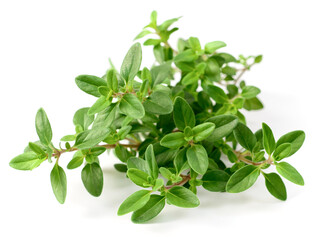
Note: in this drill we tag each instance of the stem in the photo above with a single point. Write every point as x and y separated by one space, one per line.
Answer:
166 43
242 72
185 179
241 157
58 153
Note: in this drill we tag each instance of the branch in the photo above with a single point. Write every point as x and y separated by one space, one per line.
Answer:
107 146
242 72
241 157
185 179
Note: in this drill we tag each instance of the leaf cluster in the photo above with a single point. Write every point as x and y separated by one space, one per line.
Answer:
175 126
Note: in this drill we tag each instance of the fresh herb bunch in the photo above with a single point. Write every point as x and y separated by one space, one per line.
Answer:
170 136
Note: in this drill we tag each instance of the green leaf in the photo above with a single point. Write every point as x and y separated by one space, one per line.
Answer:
186 56
275 185
215 180
212 71
82 118
43 127
96 151
151 162
99 105
42 146
188 133
153 19
173 140
131 63
198 159
90 84
138 163
104 91
68 138
194 43
269 143
161 73
166 24
190 78
182 197
138 177
159 103
123 132
106 117
153 42
258 59
227 57
92 178
204 100
120 167
224 125
150 210
211 47
37 149
282 151
58 181
180 161
134 202
131 106
202 131
142 34
243 179
229 71
76 161
158 184
122 153
249 92
112 81
245 136
26 161
296 138
90 138
216 93
252 104
166 173
183 114
290 173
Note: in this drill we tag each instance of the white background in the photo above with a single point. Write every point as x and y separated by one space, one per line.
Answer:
44 45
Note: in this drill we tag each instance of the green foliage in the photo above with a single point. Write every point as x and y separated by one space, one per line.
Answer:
245 136
150 210
275 186
90 84
131 63
243 179
134 202
58 181
175 127
198 159
43 127
183 114
215 180
26 161
269 143
92 178
131 106
182 197
290 173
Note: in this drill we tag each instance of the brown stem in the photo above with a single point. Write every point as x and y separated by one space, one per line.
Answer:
185 179
241 157
107 146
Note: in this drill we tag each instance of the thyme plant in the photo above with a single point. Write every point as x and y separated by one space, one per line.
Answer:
175 127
